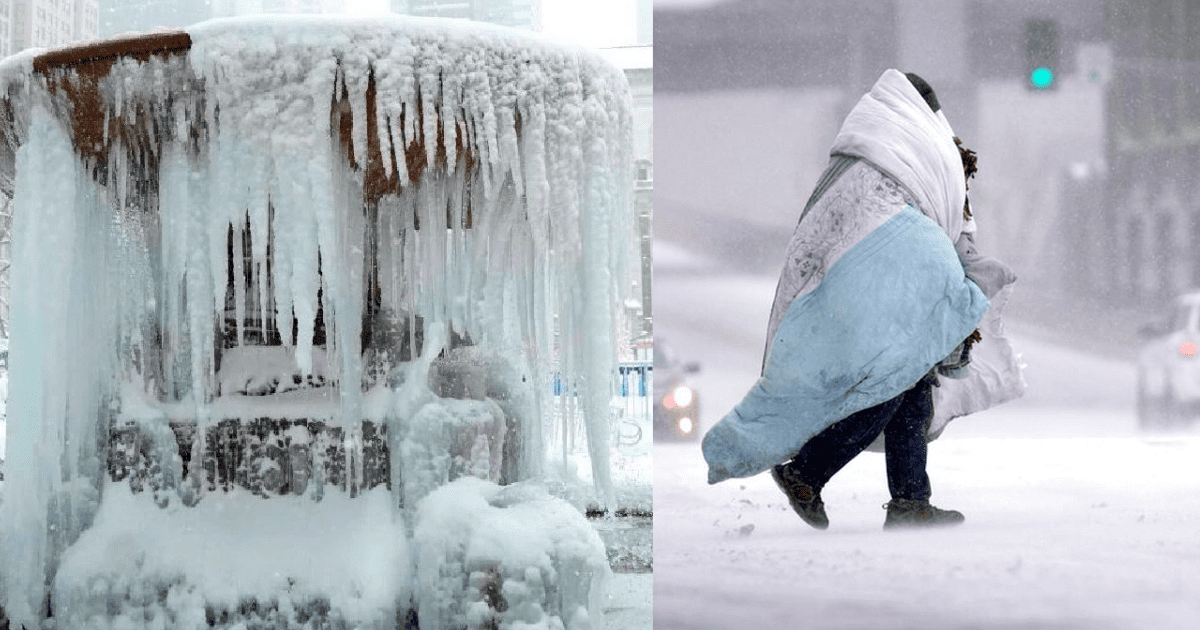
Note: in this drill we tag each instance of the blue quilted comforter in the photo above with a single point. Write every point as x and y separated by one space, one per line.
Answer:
886 312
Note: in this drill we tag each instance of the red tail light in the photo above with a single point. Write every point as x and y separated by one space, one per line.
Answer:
1188 349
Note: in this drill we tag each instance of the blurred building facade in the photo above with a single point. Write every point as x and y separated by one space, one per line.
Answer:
1154 145
229 8
524 14
6 24
645 21
119 16
122 16
47 23
1084 187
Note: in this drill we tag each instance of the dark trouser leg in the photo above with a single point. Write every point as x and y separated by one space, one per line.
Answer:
905 445
830 450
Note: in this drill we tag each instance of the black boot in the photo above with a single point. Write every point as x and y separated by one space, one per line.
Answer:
805 500
916 513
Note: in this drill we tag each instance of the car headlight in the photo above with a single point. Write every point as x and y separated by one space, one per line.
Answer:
682 395
686 426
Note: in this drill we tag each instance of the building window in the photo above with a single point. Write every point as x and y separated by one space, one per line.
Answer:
643 172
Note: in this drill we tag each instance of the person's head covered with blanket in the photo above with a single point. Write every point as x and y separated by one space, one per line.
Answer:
900 128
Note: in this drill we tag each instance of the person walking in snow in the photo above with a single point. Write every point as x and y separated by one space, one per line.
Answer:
882 292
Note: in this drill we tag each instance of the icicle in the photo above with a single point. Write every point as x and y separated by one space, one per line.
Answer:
305 284
428 257
430 93
452 198
399 143
412 284
281 272
259 218
411 120
117 176
510 155
533 152
202 287
449 117
218 169
348 300
489 144
43 234
119 98
355 74
472 144
401 236
324 199
296 203
239 280
384 134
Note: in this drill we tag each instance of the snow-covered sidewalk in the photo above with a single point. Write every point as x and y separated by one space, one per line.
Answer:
1061 532
1075 520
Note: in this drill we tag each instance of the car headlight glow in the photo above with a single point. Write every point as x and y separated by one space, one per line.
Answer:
686 426
682 395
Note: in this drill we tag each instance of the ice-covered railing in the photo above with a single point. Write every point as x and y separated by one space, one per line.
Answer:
385 189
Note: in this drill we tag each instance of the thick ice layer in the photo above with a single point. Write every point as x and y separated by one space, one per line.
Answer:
305 182
52 474
3 415
451 439
529 560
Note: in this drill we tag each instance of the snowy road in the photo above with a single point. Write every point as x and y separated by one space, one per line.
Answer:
1074 519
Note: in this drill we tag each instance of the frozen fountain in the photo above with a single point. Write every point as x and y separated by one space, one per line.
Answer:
290 297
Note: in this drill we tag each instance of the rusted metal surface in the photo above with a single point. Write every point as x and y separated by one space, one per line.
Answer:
76 71
91 61
98 56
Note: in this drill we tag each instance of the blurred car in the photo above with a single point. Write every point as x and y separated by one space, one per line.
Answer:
1168 367
676 403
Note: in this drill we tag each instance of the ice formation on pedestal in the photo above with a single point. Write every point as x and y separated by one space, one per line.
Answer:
332 212
527 560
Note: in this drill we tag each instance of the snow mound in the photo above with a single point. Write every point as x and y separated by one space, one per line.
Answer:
529 560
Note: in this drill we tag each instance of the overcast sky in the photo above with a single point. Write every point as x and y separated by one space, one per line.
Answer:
589 22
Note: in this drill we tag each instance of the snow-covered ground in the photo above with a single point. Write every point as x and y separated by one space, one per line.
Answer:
1074 518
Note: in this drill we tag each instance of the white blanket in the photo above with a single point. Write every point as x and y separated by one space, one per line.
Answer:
893 128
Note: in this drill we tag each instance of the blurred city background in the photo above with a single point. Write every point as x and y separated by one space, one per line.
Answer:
1085 183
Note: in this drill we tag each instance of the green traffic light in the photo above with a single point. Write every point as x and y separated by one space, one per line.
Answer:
1041 78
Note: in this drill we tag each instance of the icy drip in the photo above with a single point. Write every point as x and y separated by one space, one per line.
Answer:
63 310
